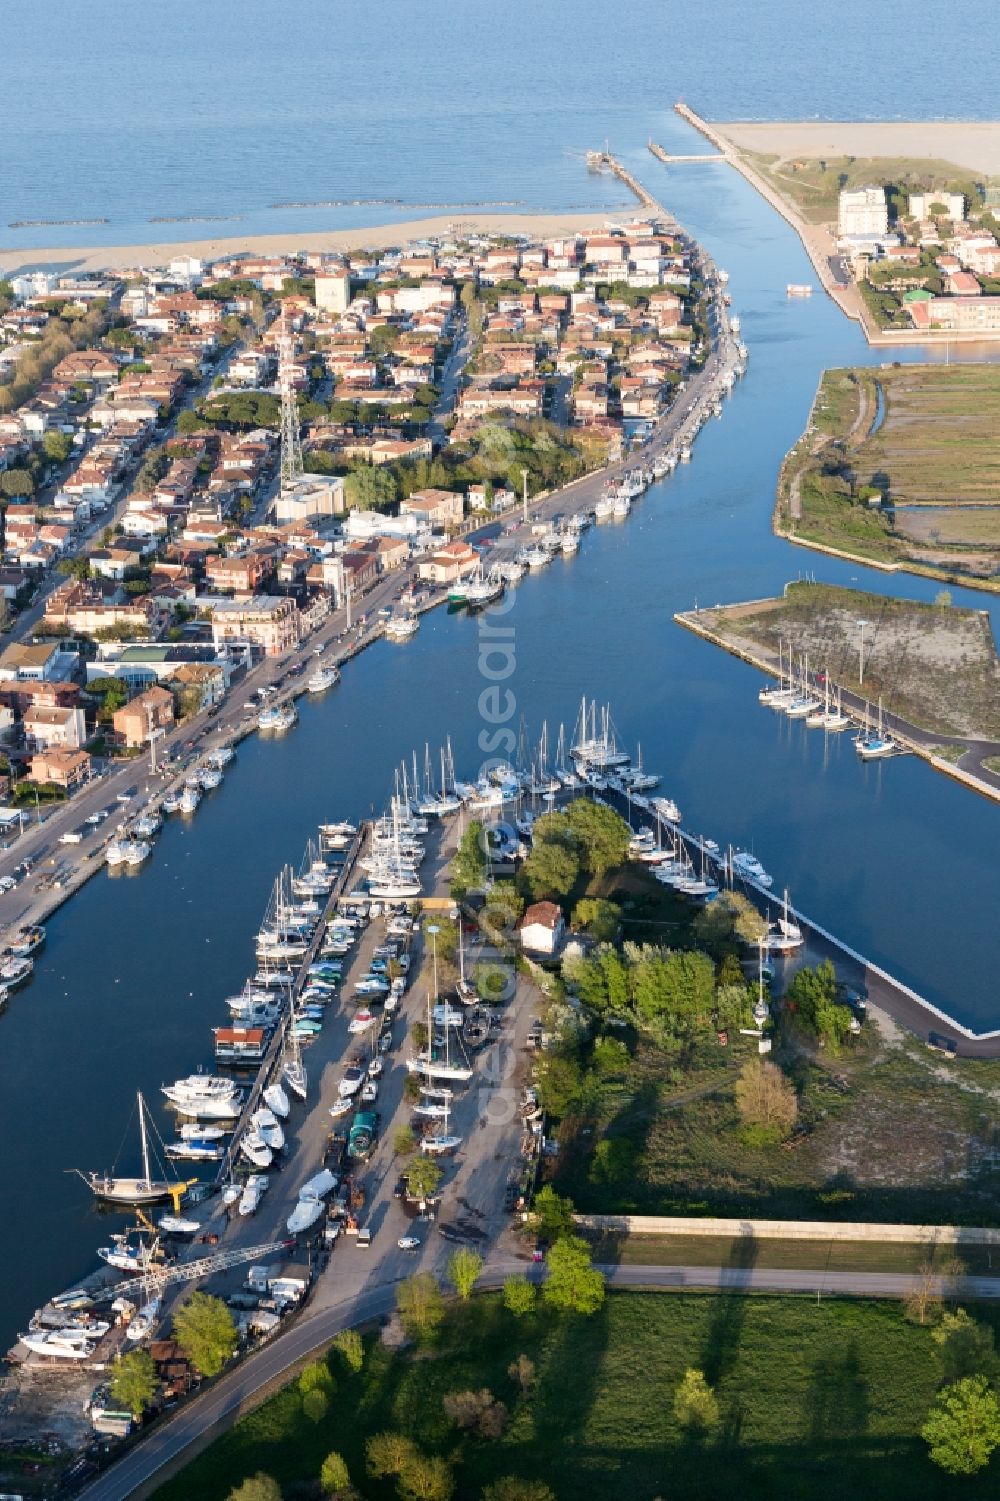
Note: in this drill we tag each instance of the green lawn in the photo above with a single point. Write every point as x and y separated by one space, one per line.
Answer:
821 1402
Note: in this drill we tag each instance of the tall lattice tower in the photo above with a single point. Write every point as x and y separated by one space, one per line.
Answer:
291 442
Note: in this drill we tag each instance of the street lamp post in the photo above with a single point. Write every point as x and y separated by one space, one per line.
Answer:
524 482
434 930
862 626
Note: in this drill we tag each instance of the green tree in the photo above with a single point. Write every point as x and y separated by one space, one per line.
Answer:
404 1141
370 488
205 1331
388 1453
315 1404
469 863
573 1285
514 1488
56 446
963 1426
317 1377
334 1475
464 1267
75 568
597 917
553 1214
259 1487
549 871
601 834
519 1296
966 1347
727 924
350 1347
421 1306
424 1177
426 1478
812 995
696 1407
134 1382
16 483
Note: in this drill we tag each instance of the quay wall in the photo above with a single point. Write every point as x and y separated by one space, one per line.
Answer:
899 731
805 1230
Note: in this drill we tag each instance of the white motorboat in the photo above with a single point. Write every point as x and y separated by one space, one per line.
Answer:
197 1087
209 778
361 1021
221 756
195 1131
256 1150
745 864
537 557
276 1100
322 679
144 1323
605 507
194 1149
16 971
442 1069
176 1224
317 1187
304 1215
253 1191
61 1344
431 1111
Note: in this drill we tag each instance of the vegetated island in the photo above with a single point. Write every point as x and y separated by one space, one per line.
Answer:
900 467
933 665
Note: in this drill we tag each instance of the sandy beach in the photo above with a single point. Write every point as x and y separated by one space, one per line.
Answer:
971 144
122 256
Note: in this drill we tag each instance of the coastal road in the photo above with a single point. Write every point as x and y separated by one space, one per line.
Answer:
181 1438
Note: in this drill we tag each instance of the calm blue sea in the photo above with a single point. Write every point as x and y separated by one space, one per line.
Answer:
214 114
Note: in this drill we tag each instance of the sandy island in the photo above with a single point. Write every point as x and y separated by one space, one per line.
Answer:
97 258
972 144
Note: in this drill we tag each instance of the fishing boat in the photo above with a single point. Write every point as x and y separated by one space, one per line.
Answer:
401 626
142 1190
537 557
189 799
27 941
209 778
322 679
483 588
15 970
277 717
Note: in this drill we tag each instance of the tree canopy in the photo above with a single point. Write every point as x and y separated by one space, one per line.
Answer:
134 1382
205 1331
963 1426
421 1306
812 996
572 1285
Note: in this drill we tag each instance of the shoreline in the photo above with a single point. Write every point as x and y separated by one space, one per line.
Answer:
374 237
819 245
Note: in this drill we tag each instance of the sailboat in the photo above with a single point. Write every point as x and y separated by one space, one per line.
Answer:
873 744
143 1190
787 937
425 1063
835 719
293 1070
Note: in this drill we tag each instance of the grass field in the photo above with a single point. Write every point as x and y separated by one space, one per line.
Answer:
934 665
890 1134
913 435
812 185
809 1255
820 1402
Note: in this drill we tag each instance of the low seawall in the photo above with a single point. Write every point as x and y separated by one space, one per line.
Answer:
805 1230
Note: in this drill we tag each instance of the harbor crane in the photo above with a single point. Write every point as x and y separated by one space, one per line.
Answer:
150 1283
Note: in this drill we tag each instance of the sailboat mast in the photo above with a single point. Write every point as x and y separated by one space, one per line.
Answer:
145 1142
